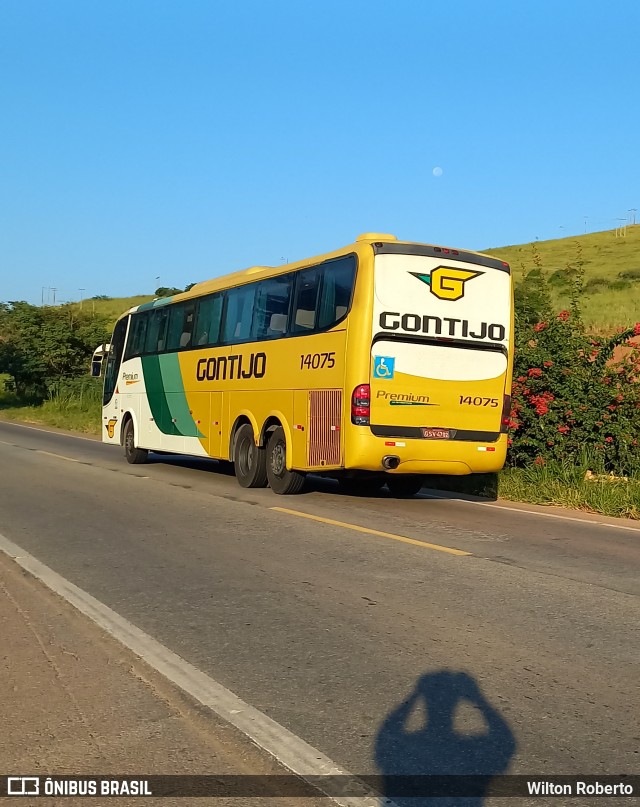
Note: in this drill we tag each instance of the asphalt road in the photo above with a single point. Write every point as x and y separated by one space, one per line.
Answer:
525 652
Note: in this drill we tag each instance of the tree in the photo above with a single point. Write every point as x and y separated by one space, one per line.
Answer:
40 346
167 291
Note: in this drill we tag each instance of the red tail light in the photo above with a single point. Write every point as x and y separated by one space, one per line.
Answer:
506 414
361 405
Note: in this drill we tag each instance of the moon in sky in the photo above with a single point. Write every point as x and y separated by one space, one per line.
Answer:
437 171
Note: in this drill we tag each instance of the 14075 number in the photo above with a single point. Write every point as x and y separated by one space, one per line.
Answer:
317 361
467 399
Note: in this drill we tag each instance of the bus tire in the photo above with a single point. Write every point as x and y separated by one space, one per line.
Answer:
405 486
281 480
250 462
134 456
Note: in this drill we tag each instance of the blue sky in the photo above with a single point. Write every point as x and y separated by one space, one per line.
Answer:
183 140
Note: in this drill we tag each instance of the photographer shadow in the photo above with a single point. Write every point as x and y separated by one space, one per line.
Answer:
438 748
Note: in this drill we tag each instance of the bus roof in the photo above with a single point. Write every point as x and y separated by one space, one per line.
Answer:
261 272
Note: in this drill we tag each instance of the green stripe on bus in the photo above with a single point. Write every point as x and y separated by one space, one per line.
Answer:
175 396
156 395
154 303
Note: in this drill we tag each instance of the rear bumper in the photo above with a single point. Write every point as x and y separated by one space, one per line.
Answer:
450 457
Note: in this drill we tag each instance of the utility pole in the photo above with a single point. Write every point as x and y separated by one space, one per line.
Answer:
81 290
621 229
43 288
633 211
586 219
54 295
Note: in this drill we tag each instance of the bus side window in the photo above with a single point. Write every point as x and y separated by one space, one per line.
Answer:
113 359
135 343
337 287
238 316
272 307
187 325
174 331
304 310
207 330
156 328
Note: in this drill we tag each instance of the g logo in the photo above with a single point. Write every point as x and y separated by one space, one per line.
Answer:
110 427
447 283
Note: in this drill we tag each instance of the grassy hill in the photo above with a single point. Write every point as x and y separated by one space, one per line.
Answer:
611 265
114 306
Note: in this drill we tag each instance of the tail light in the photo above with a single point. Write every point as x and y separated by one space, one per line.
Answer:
361 405
506 414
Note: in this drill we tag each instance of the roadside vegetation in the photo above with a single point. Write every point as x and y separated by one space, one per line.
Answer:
575 418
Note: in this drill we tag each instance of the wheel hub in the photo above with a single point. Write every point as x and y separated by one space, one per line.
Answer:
278 459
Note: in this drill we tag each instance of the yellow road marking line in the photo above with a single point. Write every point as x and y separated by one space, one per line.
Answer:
58 456
449 550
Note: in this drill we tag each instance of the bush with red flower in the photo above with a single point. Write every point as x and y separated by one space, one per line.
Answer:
569 395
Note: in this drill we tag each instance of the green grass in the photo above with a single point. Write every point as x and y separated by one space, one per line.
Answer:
113 307
75 408
611 271
562 485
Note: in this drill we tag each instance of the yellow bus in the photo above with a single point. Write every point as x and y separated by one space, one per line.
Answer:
378 363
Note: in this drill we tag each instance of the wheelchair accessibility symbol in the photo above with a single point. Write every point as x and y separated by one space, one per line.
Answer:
383 366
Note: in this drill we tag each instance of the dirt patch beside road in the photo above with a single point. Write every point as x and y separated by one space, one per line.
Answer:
74 701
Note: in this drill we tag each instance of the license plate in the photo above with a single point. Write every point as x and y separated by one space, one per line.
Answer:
436 434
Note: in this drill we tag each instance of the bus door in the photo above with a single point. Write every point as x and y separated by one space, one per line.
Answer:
440 347
111 393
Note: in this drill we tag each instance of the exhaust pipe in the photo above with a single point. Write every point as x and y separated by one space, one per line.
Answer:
390 462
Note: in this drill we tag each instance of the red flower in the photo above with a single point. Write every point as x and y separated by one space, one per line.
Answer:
535 372
563 429
612 407
542 325
539 461
636 329
569 414
563 316
548 364
509 442
608 439
542 409
521 378
619 398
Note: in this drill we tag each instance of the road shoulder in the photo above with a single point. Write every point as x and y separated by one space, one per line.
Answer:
75 701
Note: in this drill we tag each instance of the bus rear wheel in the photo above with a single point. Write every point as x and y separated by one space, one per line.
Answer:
135 456
250 462
280 479
404 486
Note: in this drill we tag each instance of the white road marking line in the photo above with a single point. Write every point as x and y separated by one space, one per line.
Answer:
535 513
287 748
57 456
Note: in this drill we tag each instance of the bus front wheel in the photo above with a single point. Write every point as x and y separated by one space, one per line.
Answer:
280 479
404 486
135 456
250 462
